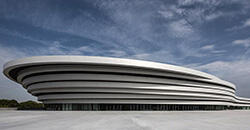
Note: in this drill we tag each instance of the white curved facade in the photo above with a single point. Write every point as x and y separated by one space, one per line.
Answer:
102 80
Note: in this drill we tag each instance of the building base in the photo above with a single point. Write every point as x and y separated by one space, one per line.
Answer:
137 107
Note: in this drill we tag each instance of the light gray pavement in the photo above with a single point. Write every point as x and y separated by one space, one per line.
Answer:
126 120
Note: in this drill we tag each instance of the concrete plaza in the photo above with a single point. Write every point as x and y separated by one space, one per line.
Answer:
125 120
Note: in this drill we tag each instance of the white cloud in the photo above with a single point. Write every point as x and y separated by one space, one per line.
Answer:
242 42
81 51
247 23
214 16
236 72
166 14
208 10
158 56
9 53
180 29
141 56
212 50
202 13
56 48
191 2
218 51
243 25
208 47
117 53
189 51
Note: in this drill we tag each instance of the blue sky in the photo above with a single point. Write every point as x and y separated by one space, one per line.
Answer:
208 35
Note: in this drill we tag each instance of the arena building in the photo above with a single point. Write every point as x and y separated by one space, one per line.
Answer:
101 83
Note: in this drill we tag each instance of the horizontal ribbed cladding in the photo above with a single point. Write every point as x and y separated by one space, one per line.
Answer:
136 96
242 101
30 71
81 86
129 91
41 69
19 73
156 92
128 98
124 90
61 79
69 83
110 82
119 78
97 69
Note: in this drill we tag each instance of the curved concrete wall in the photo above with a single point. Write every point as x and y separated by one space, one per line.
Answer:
86 79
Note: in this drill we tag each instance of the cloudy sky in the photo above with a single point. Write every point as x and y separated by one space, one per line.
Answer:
209 35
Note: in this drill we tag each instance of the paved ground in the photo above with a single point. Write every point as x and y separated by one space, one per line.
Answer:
76 120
